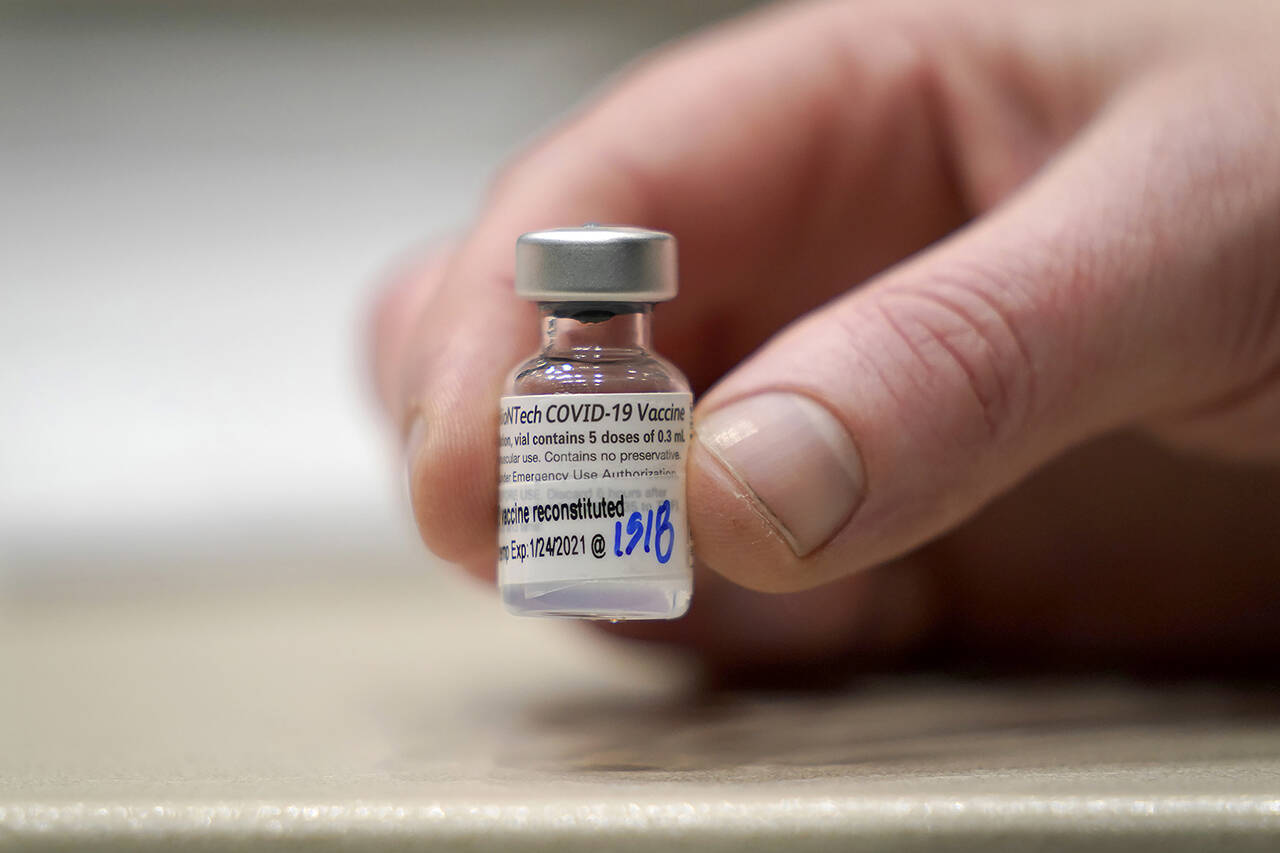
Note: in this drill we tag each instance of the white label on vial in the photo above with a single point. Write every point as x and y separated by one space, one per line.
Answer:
591 486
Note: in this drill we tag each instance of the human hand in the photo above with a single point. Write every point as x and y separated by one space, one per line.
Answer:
1007 230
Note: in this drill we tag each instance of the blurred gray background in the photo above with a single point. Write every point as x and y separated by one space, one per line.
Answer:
195 199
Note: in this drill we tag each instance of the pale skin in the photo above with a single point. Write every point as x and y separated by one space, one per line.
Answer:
1020 262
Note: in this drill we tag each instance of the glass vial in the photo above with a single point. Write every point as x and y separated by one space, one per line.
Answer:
594 435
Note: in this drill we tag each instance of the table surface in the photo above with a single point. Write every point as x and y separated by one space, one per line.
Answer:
377 715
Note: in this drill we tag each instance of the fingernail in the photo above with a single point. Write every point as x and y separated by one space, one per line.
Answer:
795 457
415 437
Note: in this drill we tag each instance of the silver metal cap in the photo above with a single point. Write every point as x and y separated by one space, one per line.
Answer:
596 263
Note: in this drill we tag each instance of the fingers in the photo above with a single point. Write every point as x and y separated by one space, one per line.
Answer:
1117 287
396 315
761 146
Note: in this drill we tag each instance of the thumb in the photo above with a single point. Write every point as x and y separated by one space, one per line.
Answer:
1101 295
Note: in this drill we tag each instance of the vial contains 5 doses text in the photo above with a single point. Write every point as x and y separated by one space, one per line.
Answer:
594 435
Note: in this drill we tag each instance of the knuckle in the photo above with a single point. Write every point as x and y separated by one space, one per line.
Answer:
959 334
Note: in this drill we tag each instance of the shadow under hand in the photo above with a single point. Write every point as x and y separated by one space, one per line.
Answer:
924 725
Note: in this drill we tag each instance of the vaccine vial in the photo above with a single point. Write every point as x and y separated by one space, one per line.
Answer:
594 435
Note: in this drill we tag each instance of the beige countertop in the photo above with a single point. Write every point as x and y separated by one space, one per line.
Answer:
414 713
